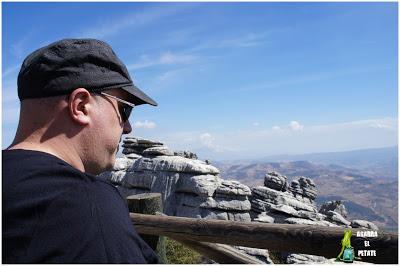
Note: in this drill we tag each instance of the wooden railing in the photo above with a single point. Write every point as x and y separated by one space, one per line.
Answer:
199 234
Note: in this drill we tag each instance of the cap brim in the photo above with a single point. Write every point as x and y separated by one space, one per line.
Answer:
139 96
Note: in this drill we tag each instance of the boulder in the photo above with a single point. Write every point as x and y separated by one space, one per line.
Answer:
138 179
174 164
308 187
128 151
293 220
282 208
198 184
186 154
157 151
305 259
336 206
264 218
122 163
230 187
260 254
276 181
337 218
364 224
280 198
226 204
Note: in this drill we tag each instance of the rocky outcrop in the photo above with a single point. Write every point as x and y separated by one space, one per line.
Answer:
194 188
364 224
277 201
190 187
336 206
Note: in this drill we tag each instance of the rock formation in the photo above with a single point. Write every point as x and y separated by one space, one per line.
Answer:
194 188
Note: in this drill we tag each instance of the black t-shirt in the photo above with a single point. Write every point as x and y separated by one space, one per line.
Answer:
54 213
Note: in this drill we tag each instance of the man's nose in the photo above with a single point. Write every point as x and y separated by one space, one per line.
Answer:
127 127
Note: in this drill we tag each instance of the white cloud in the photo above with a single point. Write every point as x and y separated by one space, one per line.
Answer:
207 140
145 124
113 26
167 58
256 124
11 70
258 142
295 126
247 40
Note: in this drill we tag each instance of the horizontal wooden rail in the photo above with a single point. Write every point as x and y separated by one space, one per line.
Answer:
306 239
220 253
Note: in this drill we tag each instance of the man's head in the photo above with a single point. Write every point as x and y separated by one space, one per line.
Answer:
77 92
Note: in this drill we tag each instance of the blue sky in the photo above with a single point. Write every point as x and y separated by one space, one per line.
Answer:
233 80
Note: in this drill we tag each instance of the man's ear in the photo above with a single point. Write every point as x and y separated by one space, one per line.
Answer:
79 106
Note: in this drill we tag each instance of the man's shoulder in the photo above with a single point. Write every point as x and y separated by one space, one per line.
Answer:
38 173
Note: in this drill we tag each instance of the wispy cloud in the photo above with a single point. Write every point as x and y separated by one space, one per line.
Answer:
131 21
19 47
245 40
9 94
167 58
144 124
11 70
308 78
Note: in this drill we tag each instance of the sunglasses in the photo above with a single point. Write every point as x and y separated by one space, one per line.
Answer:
125 108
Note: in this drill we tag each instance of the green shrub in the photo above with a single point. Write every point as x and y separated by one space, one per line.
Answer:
179 254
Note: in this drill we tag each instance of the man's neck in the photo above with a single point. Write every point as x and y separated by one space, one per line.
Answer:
59 148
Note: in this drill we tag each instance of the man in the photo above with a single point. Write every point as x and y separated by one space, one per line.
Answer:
76 97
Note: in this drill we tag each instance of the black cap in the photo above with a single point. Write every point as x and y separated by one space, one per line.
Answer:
63 66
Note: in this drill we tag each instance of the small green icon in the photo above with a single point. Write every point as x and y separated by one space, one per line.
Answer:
347 252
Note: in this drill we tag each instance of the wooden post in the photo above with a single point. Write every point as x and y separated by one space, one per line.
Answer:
149 203
296 238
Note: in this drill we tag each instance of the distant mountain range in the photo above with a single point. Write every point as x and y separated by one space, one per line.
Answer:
366 180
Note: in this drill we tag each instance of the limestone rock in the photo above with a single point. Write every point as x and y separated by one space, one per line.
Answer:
283 208
336 206
127 151
157 151
138 145
337 218
198 184
264 218
230 187
186 154
279 198
225 215
226 204
364 224
305 259
138 180
314 216
174 164
295 188
260 254
276 181
308 187
132 156
213 214
122 163
293 220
